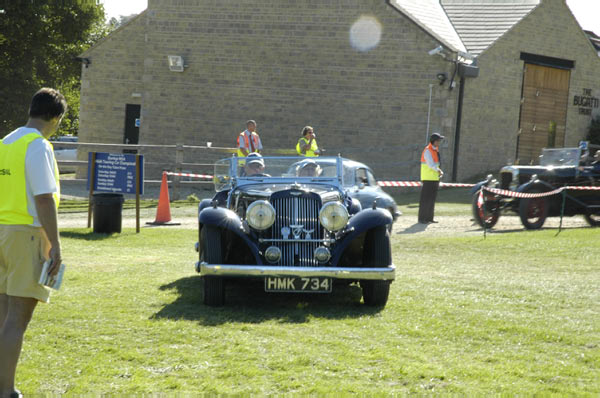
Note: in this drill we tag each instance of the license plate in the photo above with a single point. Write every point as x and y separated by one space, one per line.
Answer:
298 284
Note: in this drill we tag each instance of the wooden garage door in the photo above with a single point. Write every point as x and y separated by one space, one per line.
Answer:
543 111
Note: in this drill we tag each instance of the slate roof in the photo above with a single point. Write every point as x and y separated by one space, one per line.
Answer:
480 23
430 16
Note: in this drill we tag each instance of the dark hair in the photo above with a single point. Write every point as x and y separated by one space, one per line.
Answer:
47 104
305 130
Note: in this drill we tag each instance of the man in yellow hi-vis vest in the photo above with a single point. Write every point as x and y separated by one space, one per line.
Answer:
430 177
307 144
28 225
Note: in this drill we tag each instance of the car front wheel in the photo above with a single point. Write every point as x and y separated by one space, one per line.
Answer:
377 253
487 214
214 287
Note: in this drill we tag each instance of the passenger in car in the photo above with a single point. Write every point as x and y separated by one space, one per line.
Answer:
255 165
308 168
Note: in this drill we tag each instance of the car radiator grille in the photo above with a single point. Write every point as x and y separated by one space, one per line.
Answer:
300 215
505 180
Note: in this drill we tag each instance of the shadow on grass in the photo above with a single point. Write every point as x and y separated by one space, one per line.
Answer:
525 230
247 302
413 229
87 235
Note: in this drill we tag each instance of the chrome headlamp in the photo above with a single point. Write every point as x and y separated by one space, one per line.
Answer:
333 216
260 215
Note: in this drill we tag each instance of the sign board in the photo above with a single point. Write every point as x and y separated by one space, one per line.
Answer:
137 122
115 172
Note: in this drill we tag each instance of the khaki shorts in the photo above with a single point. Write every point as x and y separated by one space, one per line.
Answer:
23 250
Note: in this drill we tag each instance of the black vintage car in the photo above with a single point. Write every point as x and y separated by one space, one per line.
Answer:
559 167
281 220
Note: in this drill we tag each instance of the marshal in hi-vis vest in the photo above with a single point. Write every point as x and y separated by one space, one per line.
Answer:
311 152
250 148
14 205
427 174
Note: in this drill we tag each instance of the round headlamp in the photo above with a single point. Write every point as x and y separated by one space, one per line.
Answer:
260 215
333 216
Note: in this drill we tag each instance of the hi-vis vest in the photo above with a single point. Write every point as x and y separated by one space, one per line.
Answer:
427 174
248 147
14 206
309 152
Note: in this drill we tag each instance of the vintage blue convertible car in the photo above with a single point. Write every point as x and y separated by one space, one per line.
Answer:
283 220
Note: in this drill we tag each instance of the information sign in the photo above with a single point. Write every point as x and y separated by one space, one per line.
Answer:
115 173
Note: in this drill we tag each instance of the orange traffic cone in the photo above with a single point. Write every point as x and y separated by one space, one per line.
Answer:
163 211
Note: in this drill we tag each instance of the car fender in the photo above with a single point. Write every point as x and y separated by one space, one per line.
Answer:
226 219
360 223
538 184
203 205
478 186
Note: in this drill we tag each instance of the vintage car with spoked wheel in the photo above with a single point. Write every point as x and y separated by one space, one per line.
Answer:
558 168
281 220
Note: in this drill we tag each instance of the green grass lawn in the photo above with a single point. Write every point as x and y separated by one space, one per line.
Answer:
517 312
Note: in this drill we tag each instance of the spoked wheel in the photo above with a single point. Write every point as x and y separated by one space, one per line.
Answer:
533 211
214 286
377 253
486 214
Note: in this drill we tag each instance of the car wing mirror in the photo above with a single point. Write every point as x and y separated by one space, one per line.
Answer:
361 185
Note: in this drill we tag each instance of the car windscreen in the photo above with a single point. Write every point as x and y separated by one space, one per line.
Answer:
560 157
288 168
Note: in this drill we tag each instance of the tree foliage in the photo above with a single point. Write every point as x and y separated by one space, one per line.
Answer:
39 41
593 135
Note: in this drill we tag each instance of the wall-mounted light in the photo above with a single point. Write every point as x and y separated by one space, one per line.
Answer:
176 63
85 61
442 77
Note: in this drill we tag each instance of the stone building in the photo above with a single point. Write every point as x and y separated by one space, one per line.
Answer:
499 78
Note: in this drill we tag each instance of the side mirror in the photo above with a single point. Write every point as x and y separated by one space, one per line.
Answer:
361 185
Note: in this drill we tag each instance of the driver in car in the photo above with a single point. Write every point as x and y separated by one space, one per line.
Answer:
255 165
308 168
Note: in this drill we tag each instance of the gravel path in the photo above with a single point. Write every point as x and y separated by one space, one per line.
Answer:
448 225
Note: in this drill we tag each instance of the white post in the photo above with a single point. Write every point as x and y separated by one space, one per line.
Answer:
428 114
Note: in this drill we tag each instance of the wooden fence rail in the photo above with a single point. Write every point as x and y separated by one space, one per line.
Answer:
178 158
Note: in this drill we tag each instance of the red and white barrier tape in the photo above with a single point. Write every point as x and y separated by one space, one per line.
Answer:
418 184
513 194
399 183
584 188
522 195
169 173
455 185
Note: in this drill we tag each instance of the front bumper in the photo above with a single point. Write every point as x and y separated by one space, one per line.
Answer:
382 273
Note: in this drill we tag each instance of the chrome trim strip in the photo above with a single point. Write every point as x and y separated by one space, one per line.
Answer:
298 240
381 273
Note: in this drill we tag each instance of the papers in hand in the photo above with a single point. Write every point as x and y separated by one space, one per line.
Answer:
49 281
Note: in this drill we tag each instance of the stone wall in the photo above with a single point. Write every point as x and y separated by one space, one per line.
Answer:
284 63
289 63
492 100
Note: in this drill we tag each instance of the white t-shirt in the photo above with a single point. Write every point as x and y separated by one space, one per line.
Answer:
39 168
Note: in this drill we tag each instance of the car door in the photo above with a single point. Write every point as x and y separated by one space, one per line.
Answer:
371 191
